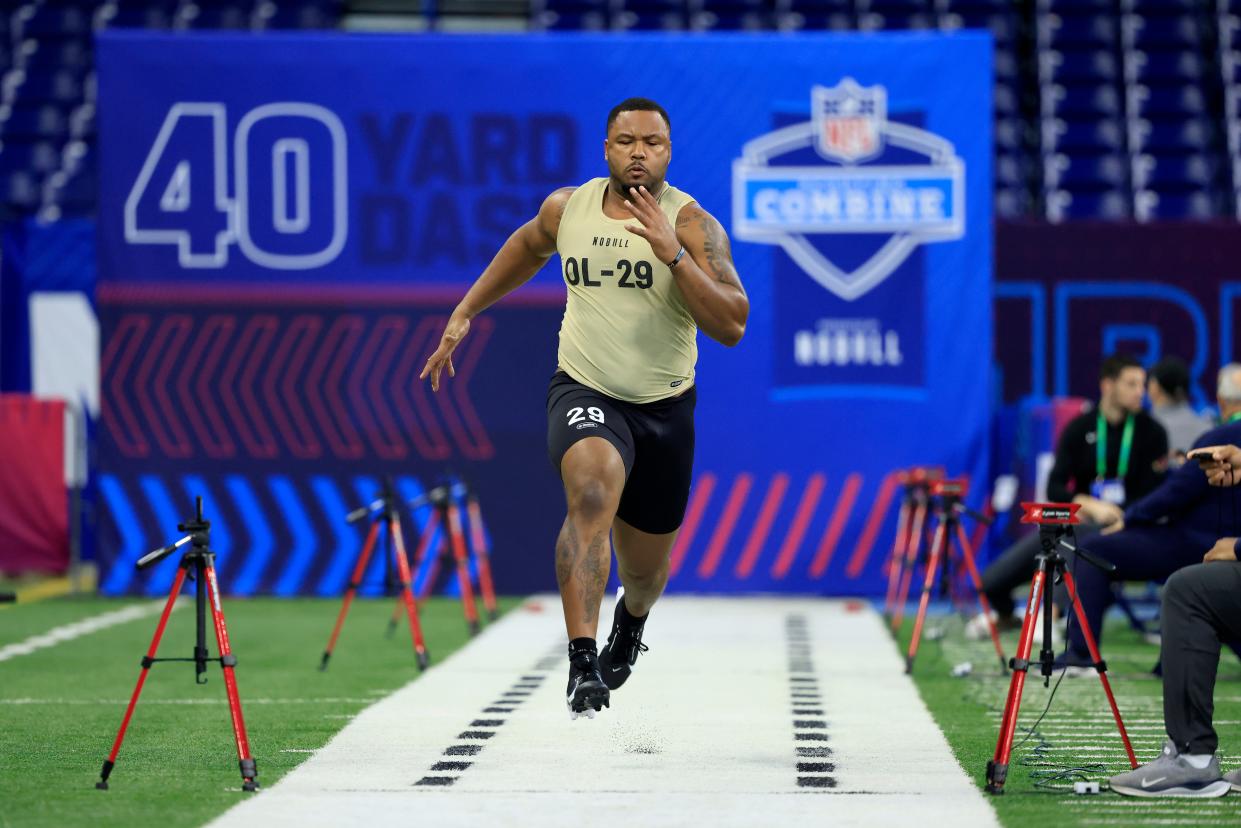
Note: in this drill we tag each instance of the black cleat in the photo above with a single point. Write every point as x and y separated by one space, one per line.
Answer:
619 654
586 693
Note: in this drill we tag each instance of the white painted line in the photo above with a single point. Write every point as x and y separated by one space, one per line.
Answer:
86 626
220 701
701 735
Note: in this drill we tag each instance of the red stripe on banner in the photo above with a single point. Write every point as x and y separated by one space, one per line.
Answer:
801 521
697 505
334 296
831 535
724 531
766 516
877 515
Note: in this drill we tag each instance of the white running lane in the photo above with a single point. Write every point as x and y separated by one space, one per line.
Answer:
745 712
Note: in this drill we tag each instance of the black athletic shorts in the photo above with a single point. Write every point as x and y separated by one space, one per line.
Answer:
655 441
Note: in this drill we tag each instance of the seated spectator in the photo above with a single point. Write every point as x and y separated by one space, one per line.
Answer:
1170 528
1201 606
1168 389
1106 458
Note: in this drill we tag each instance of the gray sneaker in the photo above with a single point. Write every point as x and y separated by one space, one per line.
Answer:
1171 775
1233 778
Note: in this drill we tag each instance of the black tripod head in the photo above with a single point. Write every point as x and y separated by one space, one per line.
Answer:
1055 523
380 507
951 495
199 538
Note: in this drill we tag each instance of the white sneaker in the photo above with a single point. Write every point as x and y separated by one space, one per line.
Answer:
977 628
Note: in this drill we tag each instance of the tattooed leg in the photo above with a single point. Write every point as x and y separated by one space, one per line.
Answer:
594 476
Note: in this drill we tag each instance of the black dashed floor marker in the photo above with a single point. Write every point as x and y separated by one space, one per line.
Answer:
463 750
486 723
442 781
476 734
816 782
815 767
497 710
808 724
814 752
450 766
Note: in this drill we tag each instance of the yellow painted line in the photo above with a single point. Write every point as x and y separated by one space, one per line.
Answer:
53 588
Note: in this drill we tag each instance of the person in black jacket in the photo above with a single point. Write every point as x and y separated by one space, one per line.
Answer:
1168 529
1106 458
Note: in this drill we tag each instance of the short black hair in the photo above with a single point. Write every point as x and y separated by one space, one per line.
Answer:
1115 364
637 105
1172 374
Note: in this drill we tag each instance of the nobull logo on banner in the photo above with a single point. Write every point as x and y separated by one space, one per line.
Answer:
916 197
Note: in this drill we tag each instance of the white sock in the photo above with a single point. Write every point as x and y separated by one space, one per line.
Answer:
1198 761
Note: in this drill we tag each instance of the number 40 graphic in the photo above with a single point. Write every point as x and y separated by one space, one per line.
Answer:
288 206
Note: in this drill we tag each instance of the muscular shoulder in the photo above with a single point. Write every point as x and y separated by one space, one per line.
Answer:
694 221
552 211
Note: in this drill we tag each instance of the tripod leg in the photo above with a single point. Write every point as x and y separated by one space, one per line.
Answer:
407 595
228 661
1099 664
483 556
897 558
997 768
912 549
359 570
967 554
463 568
937 550
424 548
147 661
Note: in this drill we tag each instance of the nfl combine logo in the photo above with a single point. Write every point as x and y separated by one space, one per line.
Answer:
847 119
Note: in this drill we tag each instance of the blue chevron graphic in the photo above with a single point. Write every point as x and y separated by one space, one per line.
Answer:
347 542
133 541
305 540
261 541
159 579
213 511
367 489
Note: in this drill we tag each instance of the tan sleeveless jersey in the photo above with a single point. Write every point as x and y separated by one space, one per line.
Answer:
626 331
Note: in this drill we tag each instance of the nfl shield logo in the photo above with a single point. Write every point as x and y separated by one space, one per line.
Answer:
848 120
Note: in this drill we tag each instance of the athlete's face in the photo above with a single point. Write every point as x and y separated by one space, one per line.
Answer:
1126 391
638 149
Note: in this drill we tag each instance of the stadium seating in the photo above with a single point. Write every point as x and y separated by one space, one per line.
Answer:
1103 108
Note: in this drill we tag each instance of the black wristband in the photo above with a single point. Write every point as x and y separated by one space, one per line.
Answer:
674 262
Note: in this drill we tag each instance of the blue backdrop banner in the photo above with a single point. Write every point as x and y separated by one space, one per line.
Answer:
286 221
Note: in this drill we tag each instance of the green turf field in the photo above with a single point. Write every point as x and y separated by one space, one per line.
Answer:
1077 739
60 707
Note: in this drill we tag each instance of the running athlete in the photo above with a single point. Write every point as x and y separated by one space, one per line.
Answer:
646 268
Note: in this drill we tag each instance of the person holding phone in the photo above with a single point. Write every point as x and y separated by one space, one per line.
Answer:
1201 608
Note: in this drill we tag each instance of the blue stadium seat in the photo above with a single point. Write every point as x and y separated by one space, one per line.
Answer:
815 22
1013 202
1085 173
51 21
51 55
1176 101
1109 205
1164 6
1154 67
1082 7
19 190
79 194
1082 101
64 86
1007 99
649 21
874 21
897 6
1009 134
218 16
723 21
1096 137
36 120
143 14
1190 135
1169 173
324 14
825 7
1150 205
1161 32
1089 66
27 156
1076 31
573 21
1005 64
1012 169
1001 24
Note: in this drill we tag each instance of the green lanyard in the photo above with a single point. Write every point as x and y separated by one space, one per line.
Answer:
1126 447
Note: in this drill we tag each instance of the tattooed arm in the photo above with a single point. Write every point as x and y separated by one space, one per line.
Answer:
707 278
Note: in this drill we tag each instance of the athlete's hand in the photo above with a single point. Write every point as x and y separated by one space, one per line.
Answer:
655 227
456 329
1225 549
